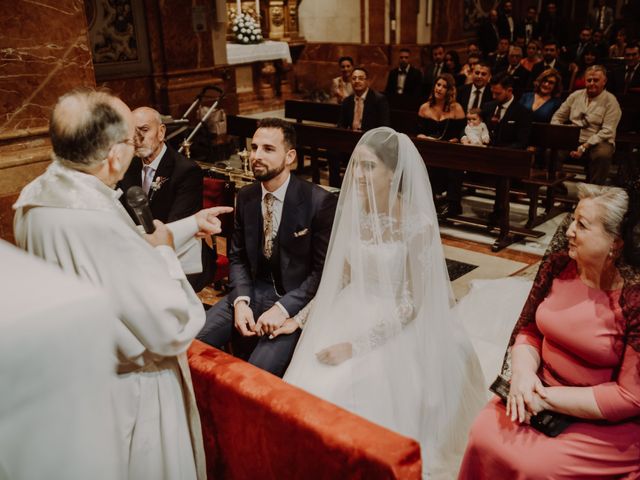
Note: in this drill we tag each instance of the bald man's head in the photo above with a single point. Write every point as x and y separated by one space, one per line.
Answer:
150 131
85 124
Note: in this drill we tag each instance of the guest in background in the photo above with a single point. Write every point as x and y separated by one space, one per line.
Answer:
476 132
627 79
173 184
545 98
441 117
550 59
519 75
574 51
341 86
589 58
404 81
597 113
473 49
529 28
552 25
453 67
575 351
489 33
601 18
617 49
600 43
498 60
533 55
435 68
506 21
467 69
476 94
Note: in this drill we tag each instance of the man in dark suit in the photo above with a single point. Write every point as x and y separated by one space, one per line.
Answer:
519 75
172 183
489 33
551 24
627 78
405 82
550 59
574 50
506 22
433 69
529 29
277 251
363 110
509 125
498 60
476 93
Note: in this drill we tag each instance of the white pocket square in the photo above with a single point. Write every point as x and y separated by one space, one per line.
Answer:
511 121
301 233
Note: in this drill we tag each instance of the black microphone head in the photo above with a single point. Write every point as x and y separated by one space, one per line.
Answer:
136 197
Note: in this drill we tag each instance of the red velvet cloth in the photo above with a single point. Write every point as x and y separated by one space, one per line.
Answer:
257 426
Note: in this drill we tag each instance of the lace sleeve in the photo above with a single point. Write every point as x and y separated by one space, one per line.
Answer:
386 328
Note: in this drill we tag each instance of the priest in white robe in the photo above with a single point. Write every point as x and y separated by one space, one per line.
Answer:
71 216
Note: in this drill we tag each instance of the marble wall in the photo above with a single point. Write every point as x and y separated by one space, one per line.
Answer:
44 53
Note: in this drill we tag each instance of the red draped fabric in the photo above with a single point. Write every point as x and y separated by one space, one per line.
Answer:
257 426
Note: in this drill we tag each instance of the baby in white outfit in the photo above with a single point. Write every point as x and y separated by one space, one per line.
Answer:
476 132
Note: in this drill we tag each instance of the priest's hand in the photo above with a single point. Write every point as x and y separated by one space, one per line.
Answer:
243 319
270 321
161 236
208 221
336 354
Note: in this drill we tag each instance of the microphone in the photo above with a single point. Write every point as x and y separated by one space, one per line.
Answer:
137 200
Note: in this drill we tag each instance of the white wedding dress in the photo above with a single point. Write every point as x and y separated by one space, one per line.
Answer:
386 292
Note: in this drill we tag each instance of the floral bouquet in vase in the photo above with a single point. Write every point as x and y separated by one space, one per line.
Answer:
246 29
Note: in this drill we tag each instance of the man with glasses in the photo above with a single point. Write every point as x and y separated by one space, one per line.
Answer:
71 217
550 59
597 113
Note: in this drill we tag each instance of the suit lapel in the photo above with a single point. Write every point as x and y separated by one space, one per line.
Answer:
290 222
165 170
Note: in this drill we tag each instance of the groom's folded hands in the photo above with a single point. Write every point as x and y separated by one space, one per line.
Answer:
243 319
270 321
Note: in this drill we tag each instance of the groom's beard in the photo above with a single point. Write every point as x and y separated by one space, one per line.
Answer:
263 173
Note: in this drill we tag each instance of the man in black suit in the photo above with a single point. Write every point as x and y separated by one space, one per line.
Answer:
363 110
551 24
173 185
277 251
498 60
550 59
404 82
476 93
435 68
509 125
574 51
489 33
519 75
529 29
506 22
627 79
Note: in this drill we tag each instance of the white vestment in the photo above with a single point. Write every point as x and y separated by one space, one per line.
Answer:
74 220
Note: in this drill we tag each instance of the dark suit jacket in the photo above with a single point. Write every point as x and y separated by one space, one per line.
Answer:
561 67
179 196
488 37
615 83
520 77
571 55
429 78
521 31
375 114
497 64
465 93
412 84
303 238
513 130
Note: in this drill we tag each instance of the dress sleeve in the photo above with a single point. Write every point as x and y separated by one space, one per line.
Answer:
620 400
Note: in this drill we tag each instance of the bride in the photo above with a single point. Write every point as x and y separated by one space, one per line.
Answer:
379 339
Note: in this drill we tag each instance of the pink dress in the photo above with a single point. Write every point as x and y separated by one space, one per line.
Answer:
579 332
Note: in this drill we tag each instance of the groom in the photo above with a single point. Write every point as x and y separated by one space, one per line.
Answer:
281 233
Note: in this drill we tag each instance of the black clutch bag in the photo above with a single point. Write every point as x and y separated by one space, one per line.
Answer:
551 424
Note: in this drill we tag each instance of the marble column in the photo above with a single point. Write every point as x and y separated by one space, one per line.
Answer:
44 53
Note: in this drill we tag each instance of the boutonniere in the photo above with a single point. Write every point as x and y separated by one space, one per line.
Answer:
157 183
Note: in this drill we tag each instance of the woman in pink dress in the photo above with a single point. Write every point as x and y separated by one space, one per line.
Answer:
574 351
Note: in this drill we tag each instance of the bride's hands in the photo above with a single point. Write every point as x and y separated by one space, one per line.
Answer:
526 396
335 354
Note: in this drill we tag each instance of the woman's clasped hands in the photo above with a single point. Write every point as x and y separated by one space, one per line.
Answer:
527 397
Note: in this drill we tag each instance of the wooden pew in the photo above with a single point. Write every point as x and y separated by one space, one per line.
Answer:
501 163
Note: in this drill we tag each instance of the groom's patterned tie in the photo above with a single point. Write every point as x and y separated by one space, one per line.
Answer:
268 224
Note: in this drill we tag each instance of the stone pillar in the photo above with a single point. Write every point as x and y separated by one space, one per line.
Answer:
44 53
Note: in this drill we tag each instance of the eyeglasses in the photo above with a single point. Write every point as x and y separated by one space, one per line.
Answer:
549 81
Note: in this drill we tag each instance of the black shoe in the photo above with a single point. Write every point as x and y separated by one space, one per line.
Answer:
450 210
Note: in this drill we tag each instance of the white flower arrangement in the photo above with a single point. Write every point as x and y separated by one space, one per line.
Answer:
246 29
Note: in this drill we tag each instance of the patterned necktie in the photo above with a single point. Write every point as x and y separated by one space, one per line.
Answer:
268 224
357 115
148 178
